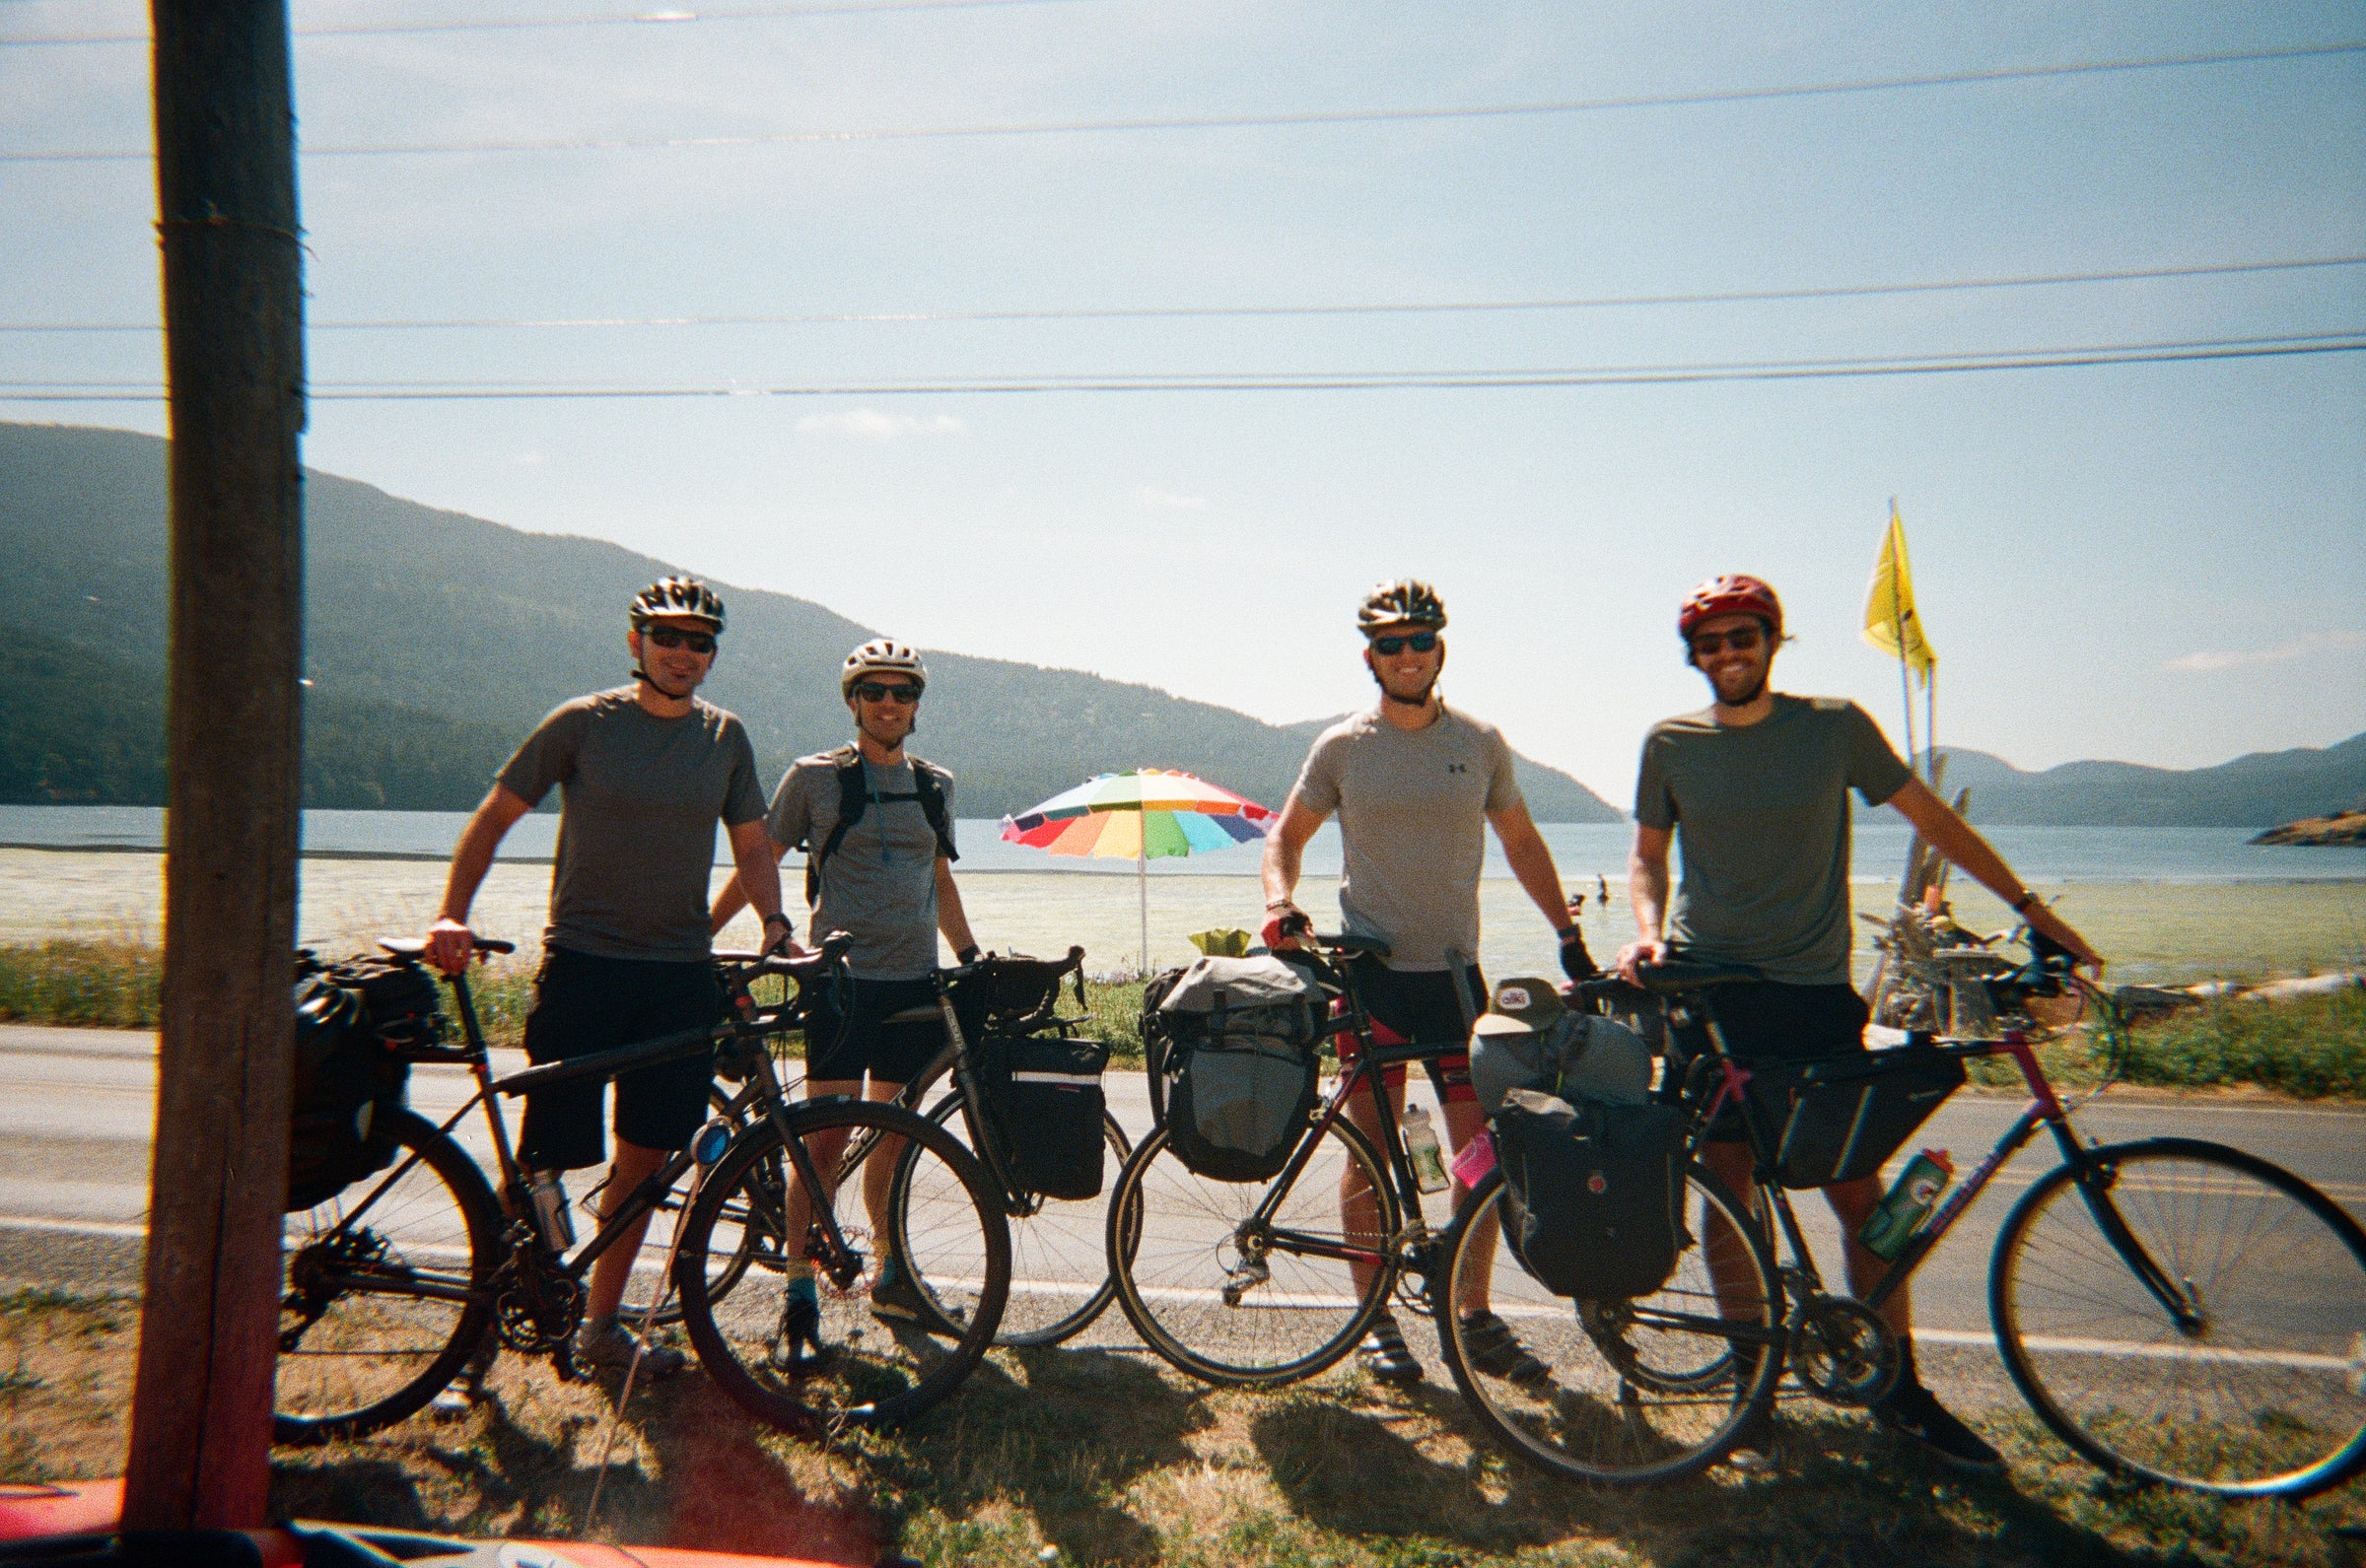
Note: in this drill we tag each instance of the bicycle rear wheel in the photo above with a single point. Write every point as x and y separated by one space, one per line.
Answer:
385 1291
1234 1301
1059 1253
2260 1395
873 1370
1637 1392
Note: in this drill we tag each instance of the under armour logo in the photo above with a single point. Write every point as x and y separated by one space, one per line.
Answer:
1458 767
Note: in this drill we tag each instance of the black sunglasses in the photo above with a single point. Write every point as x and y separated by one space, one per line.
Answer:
1742 638
878 692
1393 644
667 637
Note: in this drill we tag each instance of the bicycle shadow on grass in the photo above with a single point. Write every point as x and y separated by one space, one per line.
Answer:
1060 1433
1846 1496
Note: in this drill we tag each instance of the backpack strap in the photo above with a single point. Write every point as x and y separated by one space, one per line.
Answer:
854 796
929 782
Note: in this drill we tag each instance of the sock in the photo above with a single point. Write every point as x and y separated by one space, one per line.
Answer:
801 1288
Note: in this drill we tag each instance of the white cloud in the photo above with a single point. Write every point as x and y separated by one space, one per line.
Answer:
2210 661
1151 497
868 423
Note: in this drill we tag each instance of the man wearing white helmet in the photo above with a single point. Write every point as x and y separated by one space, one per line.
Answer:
642 773
877 828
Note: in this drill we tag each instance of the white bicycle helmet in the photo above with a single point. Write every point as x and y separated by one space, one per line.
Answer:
880 656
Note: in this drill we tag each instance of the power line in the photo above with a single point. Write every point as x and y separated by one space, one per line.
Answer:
1262 121
1226 311
2343 342
652 17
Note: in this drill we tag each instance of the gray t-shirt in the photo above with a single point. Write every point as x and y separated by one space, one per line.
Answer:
1761 815
639 798
1412 809
880 886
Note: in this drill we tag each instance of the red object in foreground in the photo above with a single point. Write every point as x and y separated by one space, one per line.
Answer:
66 1509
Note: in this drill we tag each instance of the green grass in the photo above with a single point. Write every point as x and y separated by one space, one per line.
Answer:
2311 1047
98 984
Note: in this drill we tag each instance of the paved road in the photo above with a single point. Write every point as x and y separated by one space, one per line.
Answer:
77 1106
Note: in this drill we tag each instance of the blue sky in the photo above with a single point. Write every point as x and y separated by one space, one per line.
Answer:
2161 563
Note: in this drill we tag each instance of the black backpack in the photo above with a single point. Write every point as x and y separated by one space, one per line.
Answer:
1043 1093
854 796
359 1026
1594 1195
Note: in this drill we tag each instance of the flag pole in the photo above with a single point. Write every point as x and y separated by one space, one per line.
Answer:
1905 688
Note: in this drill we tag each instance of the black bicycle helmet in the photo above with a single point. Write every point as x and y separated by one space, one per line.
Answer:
683 597
1406 601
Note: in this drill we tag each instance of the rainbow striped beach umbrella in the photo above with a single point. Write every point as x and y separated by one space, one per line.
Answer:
1141 815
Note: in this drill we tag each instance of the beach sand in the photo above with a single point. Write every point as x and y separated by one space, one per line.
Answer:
2153 931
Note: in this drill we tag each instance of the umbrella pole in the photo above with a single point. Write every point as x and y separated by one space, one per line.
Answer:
1141 885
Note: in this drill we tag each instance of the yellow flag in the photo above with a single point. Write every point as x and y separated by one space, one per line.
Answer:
1891 624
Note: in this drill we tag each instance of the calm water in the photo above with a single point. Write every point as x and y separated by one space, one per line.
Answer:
2041 854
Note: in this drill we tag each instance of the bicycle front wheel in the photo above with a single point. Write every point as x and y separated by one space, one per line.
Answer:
1059 1257
863 1361
1632 1393
2256 1392
386 1290
1237 1300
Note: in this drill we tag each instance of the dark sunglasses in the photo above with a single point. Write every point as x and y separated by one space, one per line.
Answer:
877 692
667 637
1741 640
1393 645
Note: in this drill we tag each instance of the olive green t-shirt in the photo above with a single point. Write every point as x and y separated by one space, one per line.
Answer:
639 798
1413 808
1761 817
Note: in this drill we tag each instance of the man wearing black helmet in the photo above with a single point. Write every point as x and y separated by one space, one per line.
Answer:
877 828
1415 784
1757 786
644 772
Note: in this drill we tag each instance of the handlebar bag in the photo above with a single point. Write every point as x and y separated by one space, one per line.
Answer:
1840 1118
1577 1055
1234 1064
1593 1193
1043 1093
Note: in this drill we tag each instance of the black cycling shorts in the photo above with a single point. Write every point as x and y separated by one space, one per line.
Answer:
1410 1006
1765 1020
585 1004
848 1036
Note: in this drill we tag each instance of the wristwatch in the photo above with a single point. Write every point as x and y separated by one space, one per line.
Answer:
787 923
1564 932
2028 897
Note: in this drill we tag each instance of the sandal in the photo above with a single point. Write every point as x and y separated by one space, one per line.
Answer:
1383 1354
1491 1348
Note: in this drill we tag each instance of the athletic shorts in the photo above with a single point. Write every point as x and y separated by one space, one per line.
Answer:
1410 1006
1768 1021
847 1036
585 1004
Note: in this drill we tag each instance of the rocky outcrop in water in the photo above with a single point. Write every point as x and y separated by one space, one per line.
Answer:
2342 827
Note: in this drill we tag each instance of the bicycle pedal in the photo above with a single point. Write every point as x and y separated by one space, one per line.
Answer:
562 1361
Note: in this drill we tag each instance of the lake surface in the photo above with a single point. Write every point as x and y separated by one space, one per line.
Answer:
1582 851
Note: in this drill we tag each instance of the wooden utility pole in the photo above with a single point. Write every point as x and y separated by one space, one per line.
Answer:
234 362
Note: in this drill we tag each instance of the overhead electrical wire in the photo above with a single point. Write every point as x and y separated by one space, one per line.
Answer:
1255 121
2056 358
656 17
1225 312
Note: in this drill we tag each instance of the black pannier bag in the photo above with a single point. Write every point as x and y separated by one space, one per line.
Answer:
1594 1194
1044 1095
359 1025
1230 1046
1840 1118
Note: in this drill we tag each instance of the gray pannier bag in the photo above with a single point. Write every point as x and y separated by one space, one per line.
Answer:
1234 1075
1579 1055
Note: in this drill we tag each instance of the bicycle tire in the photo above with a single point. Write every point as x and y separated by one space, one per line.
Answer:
1174 1237
1059 1251
375 1349
873 1374
634 1308
1626 1402
2264 1401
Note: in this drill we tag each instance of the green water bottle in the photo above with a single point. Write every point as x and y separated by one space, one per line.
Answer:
1910 1200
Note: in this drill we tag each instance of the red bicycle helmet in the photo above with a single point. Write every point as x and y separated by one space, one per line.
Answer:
1731 595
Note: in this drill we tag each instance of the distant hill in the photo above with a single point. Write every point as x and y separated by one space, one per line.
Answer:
435 641
2261 791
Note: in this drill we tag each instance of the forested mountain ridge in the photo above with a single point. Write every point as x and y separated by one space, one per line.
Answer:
434 640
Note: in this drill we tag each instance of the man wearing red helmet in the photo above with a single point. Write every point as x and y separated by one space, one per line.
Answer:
1757 784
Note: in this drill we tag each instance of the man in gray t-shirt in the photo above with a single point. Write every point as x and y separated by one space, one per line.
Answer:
1756 786
644 774
1416 785
877 827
